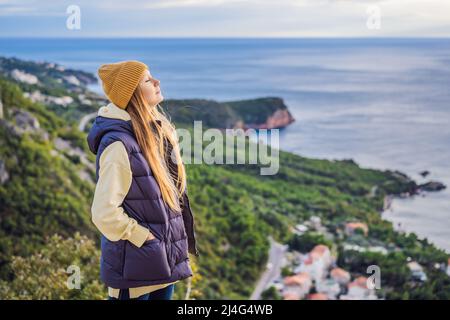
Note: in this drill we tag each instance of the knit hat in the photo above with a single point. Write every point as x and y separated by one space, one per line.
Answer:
120 79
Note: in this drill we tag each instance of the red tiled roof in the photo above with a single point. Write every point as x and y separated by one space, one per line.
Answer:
317 296
297 279
290 296
359 282
357 225
339 273
321 248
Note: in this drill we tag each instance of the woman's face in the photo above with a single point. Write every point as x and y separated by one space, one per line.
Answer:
150 89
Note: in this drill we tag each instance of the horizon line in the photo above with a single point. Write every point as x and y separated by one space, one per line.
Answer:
223 37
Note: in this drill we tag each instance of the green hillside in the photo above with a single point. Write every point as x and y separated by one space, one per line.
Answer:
46 189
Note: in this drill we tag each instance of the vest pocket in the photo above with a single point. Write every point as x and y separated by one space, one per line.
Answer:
112 253
149 262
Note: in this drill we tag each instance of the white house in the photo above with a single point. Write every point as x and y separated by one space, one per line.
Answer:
358 290
448 267
24 77
329 287
351 227
297 285
340 276
317 262
417 271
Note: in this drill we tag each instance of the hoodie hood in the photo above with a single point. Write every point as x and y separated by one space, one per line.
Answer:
109 118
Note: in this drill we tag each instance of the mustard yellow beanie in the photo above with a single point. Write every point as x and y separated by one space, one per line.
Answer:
120 79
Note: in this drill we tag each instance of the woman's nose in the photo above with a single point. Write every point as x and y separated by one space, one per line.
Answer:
156 82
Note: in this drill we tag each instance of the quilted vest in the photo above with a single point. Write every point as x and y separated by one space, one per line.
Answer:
160 260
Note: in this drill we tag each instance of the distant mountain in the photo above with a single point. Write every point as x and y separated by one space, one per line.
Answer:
261 113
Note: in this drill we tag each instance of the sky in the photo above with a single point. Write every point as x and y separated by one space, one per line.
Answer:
225 18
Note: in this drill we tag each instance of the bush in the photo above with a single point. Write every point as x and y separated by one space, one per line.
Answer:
307 241
47 273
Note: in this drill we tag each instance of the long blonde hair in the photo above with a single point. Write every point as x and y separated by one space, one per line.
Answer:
152 139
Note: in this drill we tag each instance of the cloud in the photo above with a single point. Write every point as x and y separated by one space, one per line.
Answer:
191 3
234 18
18 8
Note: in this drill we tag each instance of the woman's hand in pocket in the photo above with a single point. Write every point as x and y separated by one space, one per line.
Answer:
150 237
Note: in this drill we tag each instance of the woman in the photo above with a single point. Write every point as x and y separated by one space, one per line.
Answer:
140 204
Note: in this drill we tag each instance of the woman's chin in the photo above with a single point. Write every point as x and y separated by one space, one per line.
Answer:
157 100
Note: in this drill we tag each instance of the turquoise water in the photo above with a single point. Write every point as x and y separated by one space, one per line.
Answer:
383 102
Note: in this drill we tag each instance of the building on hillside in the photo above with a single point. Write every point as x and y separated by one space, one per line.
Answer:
351 227
329 287
316 263
317 296
417 271
448 267
298 284
290 296
358 290
340 276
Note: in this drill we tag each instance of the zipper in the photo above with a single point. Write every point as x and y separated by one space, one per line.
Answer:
196 253
123 255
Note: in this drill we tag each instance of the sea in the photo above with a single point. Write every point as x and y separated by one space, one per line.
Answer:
383 102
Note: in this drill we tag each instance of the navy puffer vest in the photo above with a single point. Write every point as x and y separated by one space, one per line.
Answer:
160 260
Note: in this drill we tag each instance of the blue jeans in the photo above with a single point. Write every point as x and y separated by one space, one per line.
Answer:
161 294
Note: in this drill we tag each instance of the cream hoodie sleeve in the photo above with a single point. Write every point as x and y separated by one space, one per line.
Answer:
112 186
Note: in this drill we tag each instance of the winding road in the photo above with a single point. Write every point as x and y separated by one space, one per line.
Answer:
85 119
273 271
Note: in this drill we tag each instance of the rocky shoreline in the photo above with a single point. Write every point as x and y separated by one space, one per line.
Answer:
429 186
418 189
278 120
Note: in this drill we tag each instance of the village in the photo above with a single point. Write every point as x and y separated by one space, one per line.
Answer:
315 275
